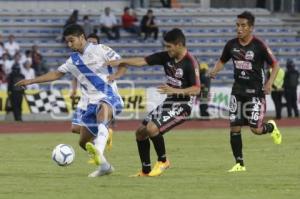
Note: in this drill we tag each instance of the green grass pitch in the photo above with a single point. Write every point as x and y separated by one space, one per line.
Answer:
199 161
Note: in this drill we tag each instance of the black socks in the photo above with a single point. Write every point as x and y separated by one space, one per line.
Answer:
236 146
144 152
159 145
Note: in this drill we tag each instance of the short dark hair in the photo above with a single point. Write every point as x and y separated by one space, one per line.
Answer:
249 16
175 36
126 9
73 29
94 35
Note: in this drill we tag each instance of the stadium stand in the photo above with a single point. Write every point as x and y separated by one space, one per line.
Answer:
207 30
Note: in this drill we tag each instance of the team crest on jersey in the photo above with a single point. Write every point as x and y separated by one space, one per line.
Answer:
179 73
170 65
249 55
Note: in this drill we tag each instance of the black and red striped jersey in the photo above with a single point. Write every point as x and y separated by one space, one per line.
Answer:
181 74
249 62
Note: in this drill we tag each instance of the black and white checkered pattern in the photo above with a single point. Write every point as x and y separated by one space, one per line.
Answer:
46 102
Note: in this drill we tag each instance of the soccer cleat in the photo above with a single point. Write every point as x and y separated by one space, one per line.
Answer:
100 172
140 174
93 153
276 135
159 167
237 167
109 140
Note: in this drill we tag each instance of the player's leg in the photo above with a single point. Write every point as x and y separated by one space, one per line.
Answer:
104 116
171 114
236 121
143 144
257 107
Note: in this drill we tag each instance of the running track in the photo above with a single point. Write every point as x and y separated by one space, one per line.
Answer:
131 125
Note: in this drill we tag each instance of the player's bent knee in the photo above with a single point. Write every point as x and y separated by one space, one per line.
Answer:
75 129
256 131
141 133
152 129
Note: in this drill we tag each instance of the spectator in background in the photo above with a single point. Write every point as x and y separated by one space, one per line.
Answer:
37 61
26 57
2 50
148 25
29 73
93 38
73 19
277 91
109 24
87 25
204 93
129 20
12 46
15 94
7 63
166 3
2 75
291 81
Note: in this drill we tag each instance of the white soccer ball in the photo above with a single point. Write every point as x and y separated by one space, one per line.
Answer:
63 154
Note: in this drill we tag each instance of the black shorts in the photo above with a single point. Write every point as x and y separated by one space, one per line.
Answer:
246 111
168 115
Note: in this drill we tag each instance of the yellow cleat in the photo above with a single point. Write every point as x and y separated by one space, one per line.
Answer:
93 153
159 168
109 140
237 168
276 135
139 174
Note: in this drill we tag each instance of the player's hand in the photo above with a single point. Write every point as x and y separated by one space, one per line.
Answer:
113 63
112 77
268 88
23 82
212 74
165 89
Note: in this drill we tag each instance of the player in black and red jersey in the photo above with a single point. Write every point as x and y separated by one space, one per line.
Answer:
182 86
247 103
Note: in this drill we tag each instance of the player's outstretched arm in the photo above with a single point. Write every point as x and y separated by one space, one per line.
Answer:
120 72
165 89
136 61
51 76
217 68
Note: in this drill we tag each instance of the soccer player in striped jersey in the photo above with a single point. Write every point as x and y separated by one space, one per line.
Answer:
88 64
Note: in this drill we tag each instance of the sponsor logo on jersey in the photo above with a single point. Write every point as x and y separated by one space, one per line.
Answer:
173 81
170 65
244 65
236 50
249 55
179 73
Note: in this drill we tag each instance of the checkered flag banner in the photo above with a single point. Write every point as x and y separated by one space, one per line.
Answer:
46 102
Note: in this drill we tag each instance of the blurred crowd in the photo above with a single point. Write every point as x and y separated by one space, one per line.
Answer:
30 63
110 25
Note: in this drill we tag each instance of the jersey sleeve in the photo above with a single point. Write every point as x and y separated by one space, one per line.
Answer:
193 74
109 54
66 67
226 53
156 58
268 55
